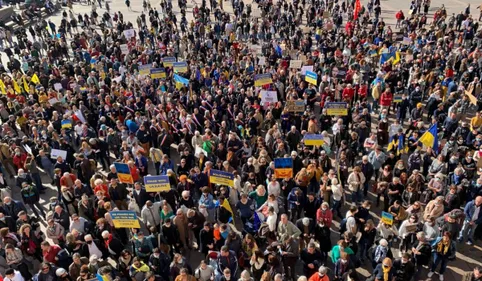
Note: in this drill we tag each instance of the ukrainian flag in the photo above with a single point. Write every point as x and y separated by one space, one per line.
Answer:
397 143
430 138
227 206
180 81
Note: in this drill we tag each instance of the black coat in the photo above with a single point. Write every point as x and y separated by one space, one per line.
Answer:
425 254
403 272
141 198
8 222
13 209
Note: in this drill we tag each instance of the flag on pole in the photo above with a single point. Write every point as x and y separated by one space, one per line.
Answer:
226 206
16 87
25 85
2 87
357 9
35 79
430 138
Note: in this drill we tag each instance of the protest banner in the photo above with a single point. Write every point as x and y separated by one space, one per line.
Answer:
306 68
129 33
406 41
55 153
158 73
124 49
221 177
283 168
268 96
313 139
262 61
157 183
168 61
180 67
145 69
262 79
397 98
296 64
125 219
58 86
124 173
311 77
387 218
336 108
295 106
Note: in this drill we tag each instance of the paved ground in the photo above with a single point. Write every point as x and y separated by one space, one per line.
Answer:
467 256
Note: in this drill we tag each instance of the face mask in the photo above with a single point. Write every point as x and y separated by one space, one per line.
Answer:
17 153
99 197
324 208
227 277
2 219
179 261
8 204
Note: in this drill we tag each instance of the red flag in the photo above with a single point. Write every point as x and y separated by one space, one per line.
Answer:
357 9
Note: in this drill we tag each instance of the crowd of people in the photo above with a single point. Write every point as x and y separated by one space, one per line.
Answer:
369 114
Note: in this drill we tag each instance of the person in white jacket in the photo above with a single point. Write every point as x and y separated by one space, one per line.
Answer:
355 183
337 196
407 232
13 275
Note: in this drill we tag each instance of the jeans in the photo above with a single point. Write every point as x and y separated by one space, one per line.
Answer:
38 181
356 196
439 259
336 206
467 231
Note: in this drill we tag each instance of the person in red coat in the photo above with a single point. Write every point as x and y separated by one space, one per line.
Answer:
399 16
19 159
348 93
386 100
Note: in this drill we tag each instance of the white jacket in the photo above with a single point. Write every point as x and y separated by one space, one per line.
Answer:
355 182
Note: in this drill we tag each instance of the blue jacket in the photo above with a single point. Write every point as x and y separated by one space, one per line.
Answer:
166 166
292 198
207 201
469 212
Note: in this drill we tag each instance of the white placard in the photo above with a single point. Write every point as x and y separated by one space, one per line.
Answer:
295 64
118 79
53 101
129 33
262 61
198 151
306 68
28 149
58 86
124 49
268 96
57 152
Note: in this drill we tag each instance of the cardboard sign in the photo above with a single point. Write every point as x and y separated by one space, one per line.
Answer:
311 77
158 73
306 68
66 124
53 101
397 98
406 41
295 106
336 108
129 33
283 168
296 64
198 152
58 86
268 96
125 219
145 69
180 67
326 14
124 49
221 178
387 218
168 61
262 61
262 79
55 153
157 183
313 139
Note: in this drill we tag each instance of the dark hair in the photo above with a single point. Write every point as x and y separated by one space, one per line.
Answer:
9 271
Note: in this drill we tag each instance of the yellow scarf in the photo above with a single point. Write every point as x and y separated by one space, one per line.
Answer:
441 245
386 271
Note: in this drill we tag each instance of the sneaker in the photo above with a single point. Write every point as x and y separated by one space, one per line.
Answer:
441 278
469 243
430 274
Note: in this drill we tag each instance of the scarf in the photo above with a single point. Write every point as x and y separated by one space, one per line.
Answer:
386 272
443 247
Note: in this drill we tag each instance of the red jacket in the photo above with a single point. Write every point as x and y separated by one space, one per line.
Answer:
386 99
19 161
64 182
325 216
362 92
399 15
348 93
51 254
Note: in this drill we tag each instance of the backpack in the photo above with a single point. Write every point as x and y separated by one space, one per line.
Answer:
343 225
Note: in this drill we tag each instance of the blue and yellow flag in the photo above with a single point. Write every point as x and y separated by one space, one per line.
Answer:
2 87
430 138
397 144
226 206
